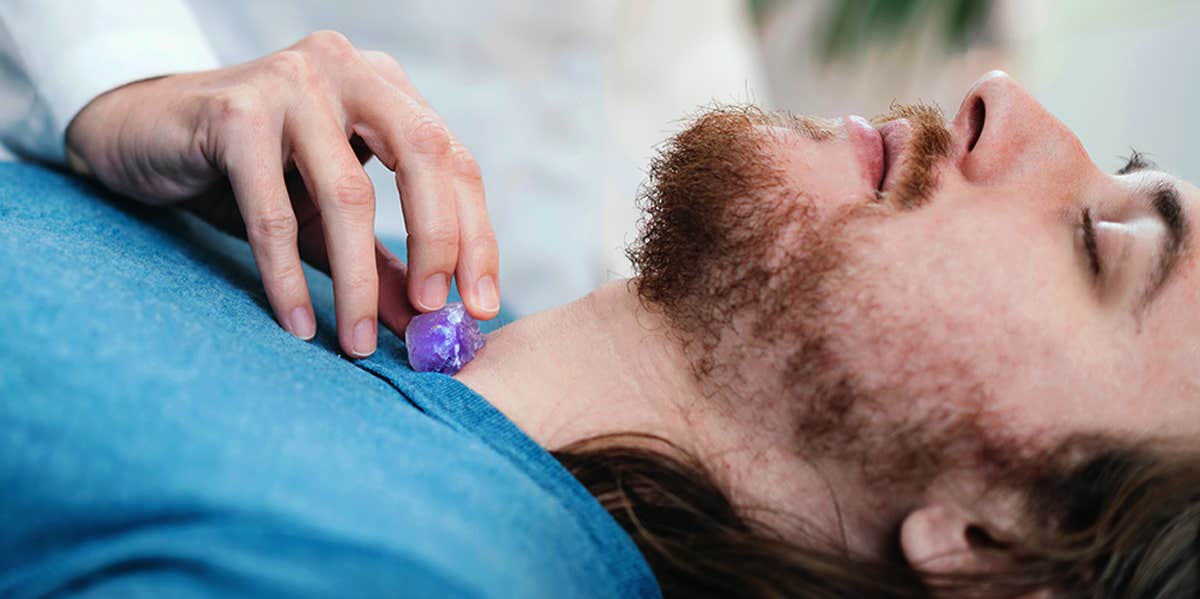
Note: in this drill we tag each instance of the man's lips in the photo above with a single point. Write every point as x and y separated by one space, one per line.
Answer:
878 149
895 134
869 147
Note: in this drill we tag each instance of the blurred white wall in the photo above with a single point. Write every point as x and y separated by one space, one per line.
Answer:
914 66
560 102
563 102
1120 74
669 57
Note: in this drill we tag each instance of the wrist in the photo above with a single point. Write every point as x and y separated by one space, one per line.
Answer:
95 123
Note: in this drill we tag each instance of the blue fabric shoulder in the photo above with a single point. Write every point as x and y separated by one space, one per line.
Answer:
161 435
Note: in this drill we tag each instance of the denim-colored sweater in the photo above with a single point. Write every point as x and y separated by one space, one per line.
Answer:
162 436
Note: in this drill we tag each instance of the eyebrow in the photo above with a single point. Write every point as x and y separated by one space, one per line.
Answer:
1164 198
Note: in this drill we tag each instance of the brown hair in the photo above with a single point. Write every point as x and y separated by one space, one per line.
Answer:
1103 518
1120 522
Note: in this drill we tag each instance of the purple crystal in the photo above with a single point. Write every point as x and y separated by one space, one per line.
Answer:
443 340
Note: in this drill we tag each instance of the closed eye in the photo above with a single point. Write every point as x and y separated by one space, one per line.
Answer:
1089 242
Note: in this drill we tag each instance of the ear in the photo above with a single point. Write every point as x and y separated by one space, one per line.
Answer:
944 539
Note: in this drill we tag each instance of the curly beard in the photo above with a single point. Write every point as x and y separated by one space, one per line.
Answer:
734 257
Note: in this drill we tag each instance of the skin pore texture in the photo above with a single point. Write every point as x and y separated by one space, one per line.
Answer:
872 350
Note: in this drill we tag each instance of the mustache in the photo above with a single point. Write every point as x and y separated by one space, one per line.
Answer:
930 143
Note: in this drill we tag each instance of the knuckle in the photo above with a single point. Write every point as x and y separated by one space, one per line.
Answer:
274 226
360 282
387 65
466 168
380 59
429 136
483 241
330 42
288 65
240 106
439 240
285 280
353 193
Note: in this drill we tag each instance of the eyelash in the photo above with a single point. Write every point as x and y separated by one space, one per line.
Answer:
1136 162
1089 242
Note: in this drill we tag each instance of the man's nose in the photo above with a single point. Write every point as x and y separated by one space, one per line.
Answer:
1010 135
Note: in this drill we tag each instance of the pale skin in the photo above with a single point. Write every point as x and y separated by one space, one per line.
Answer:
274 136
989 282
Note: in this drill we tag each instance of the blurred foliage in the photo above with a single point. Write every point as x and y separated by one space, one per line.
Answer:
850 25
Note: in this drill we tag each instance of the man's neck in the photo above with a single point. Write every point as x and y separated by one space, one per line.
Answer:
601 364
605 364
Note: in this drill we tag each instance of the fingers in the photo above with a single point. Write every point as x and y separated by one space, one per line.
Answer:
393 73
394 309
346 200
479 257
414 144
271 229
324 106
441 191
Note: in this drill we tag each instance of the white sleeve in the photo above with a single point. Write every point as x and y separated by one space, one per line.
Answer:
57 55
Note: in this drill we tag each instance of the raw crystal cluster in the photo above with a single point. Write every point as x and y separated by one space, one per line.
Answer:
443 340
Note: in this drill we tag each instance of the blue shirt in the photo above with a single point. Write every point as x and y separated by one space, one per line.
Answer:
161 435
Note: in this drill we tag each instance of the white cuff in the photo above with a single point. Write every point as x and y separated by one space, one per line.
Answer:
70 51
100 64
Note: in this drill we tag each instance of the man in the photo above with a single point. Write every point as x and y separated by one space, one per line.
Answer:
870 336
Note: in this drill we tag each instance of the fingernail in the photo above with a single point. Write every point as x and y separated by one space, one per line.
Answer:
489 298
433 293
364 338
301 323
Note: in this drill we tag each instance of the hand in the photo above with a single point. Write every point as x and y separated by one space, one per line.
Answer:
286 134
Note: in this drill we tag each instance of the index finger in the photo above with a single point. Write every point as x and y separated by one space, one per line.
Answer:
433 210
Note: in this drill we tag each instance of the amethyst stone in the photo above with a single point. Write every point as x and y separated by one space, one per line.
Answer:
443 340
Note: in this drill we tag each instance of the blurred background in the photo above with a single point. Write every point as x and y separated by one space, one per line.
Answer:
571 98
562 103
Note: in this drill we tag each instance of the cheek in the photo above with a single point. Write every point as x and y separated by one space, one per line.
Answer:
934 308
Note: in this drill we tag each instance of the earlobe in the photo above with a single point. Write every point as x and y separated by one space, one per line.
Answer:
942 539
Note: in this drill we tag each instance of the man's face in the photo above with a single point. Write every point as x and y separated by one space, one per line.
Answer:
949 280
991 280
